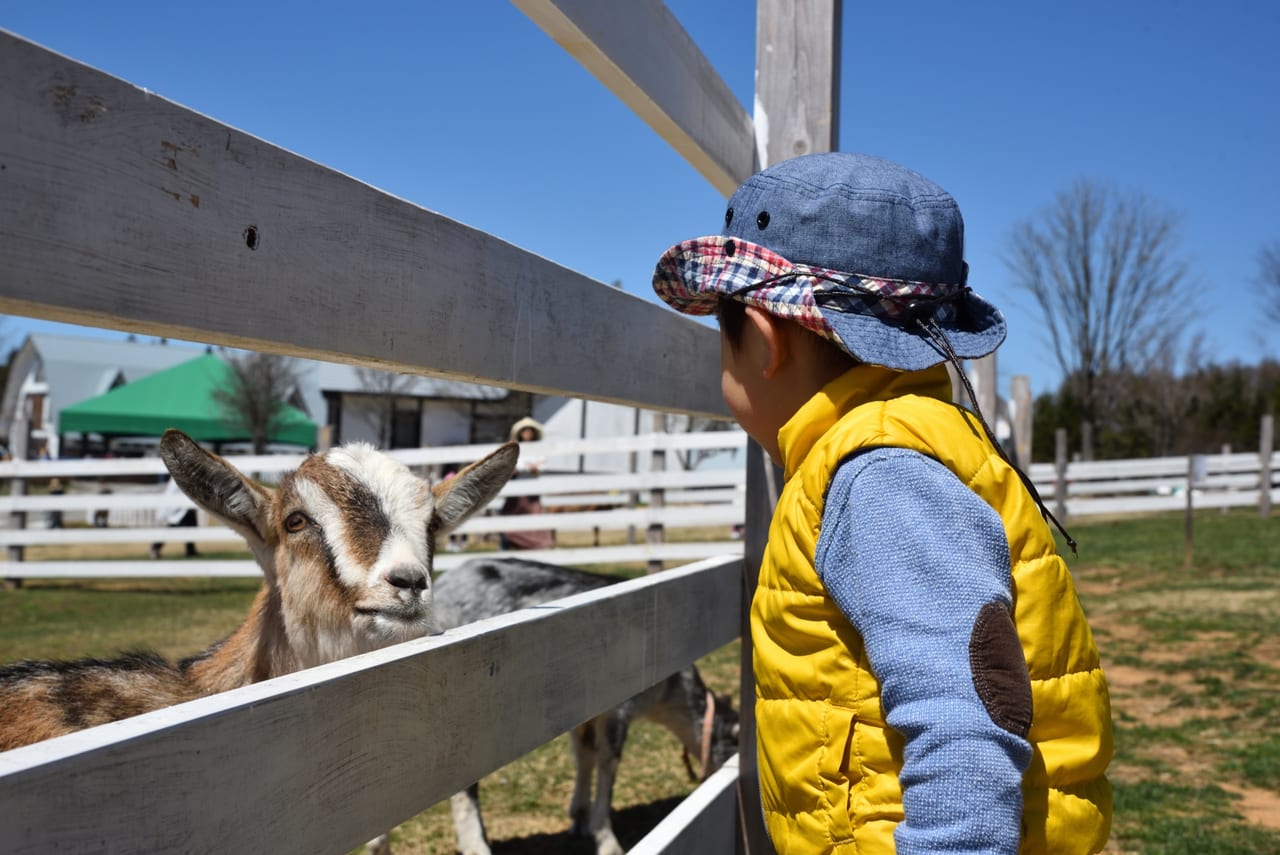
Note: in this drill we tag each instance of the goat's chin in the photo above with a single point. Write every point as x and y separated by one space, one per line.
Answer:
382 627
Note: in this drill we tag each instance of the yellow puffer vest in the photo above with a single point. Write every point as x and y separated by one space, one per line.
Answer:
828 763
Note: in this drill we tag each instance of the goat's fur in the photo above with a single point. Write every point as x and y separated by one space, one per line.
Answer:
345 544
485 587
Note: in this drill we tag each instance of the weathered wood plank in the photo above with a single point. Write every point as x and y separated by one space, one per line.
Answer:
797 112
797 77
121 209
322 760
639 51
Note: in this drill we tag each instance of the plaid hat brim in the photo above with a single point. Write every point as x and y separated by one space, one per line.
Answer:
868 317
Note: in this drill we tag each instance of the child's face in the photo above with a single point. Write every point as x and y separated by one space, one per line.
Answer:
739 385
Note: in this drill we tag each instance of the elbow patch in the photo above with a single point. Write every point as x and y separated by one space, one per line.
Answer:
999 669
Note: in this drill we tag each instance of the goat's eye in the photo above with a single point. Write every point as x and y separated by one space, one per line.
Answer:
295 522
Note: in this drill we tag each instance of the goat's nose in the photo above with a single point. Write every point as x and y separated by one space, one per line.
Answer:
408 577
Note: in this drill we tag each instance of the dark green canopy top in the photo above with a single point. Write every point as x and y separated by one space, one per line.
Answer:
180 397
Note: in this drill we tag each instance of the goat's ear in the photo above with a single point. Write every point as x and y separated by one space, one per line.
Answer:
217 486
474 487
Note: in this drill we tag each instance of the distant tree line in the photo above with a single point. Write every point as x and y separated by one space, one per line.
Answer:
1156 414
1104 269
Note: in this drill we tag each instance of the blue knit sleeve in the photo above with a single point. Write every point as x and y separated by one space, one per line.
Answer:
911 556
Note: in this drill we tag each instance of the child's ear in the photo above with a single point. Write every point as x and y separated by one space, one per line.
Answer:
774 345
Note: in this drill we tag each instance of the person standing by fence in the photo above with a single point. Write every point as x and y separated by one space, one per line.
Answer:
174 517
910 588
526 430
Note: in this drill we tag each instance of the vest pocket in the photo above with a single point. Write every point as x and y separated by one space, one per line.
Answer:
838 771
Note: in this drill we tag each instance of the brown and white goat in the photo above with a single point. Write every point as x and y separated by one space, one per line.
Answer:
345 544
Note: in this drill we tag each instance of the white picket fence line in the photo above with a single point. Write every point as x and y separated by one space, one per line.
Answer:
620 501
1151 485
598 502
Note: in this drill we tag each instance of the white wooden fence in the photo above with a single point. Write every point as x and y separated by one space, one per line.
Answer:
283 255
616 502
1149 485
713 499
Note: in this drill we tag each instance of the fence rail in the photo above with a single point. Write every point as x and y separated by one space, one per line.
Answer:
597 502
293 765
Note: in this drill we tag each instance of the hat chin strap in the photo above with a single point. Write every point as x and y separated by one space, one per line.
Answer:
939 338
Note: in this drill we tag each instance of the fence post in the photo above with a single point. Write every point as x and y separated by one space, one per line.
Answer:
1086 441
764 481
633 461
17 487
1265 445
1060 474
1196 467
1020 397
1226 453
657 496
983 377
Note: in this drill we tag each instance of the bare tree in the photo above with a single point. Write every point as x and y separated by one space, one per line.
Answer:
1269 281
256 397
384 386
1103 268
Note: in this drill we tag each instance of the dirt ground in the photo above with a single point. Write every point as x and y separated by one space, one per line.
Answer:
1151 695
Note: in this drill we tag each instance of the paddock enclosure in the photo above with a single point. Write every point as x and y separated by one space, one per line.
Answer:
250 246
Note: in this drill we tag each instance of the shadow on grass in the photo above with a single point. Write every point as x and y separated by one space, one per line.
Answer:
629 824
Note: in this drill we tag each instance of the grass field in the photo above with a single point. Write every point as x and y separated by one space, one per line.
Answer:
1192 654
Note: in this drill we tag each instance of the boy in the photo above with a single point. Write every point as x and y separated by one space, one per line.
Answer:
925 678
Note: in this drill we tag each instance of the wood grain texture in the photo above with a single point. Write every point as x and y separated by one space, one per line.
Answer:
639 51
321 760
797 77
121 209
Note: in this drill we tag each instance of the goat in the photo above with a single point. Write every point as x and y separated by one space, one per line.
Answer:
705 725
345 545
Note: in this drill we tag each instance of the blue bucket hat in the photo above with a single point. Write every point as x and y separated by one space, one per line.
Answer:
858 249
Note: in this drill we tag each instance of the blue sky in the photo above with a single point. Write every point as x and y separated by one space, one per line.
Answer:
468 109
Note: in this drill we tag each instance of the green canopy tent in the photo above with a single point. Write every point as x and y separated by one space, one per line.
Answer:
180 397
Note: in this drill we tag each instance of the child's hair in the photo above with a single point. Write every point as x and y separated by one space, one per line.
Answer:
732 315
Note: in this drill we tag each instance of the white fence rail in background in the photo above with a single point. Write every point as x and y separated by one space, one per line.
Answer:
600 502
1149 485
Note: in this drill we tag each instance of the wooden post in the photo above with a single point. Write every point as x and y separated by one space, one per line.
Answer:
19 435
657 496
764 481
1266 441
1060 474
633 461
983 375
1020 398
797 112
1226 452
1195 473
797 78
1086 441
